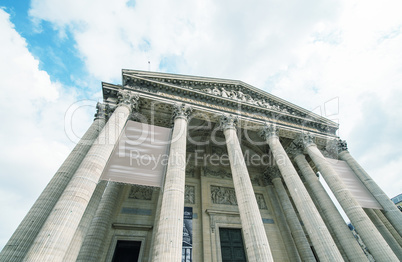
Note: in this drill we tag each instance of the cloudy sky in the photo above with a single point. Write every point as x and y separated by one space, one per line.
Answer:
342 59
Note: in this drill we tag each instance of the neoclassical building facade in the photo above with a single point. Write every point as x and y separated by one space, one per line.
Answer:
240 181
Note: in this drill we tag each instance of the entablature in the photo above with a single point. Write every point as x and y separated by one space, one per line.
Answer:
158 91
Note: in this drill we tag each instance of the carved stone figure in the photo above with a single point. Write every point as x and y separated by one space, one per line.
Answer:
260 201
224 93
223 195
189 195
216 91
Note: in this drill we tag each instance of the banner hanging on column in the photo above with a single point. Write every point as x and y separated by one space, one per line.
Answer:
140 156
354 185
187 251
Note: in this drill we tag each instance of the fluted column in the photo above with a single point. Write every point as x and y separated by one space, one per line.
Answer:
20 242
255 238
391 212
334 218
320 237
388 225
168 240
370 235
384 232
80 233
56 234
92 247
298 234
287 238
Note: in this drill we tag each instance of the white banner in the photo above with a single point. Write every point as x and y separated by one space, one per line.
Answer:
140 156
354 185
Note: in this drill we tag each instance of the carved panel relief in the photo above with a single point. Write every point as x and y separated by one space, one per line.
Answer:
223 195
227 196
260 201
141 192
189 195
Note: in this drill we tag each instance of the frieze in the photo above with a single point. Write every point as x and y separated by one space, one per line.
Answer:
141 192
189 195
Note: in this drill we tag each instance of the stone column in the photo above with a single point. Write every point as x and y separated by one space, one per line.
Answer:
324 218
320 237
391 212
168 240
334 218
388 225
57 232
384 232
80 233
255 237
292 219
92 247
20 242
287 238
372 238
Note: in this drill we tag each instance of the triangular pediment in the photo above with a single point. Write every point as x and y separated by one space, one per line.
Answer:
224 89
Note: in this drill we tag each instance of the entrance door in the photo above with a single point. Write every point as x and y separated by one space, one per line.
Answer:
232 245
126 251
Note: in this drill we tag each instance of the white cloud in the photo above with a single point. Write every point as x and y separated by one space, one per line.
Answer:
32 131
308 53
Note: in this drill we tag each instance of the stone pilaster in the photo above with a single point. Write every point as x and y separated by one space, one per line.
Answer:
92 247
284 229
391 212
302 244
331 213
255 238
20 242
320 237
370 235
57 232
81 232
168 240
384 232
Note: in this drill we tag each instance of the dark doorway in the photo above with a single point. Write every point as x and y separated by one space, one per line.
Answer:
126 251
232 245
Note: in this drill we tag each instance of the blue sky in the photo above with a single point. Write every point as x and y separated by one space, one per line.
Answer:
341 59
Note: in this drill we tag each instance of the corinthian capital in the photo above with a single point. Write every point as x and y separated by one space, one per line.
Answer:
129 99
102 111
269 130
337 145
305 140
271 173
181 110
294 149
228 121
